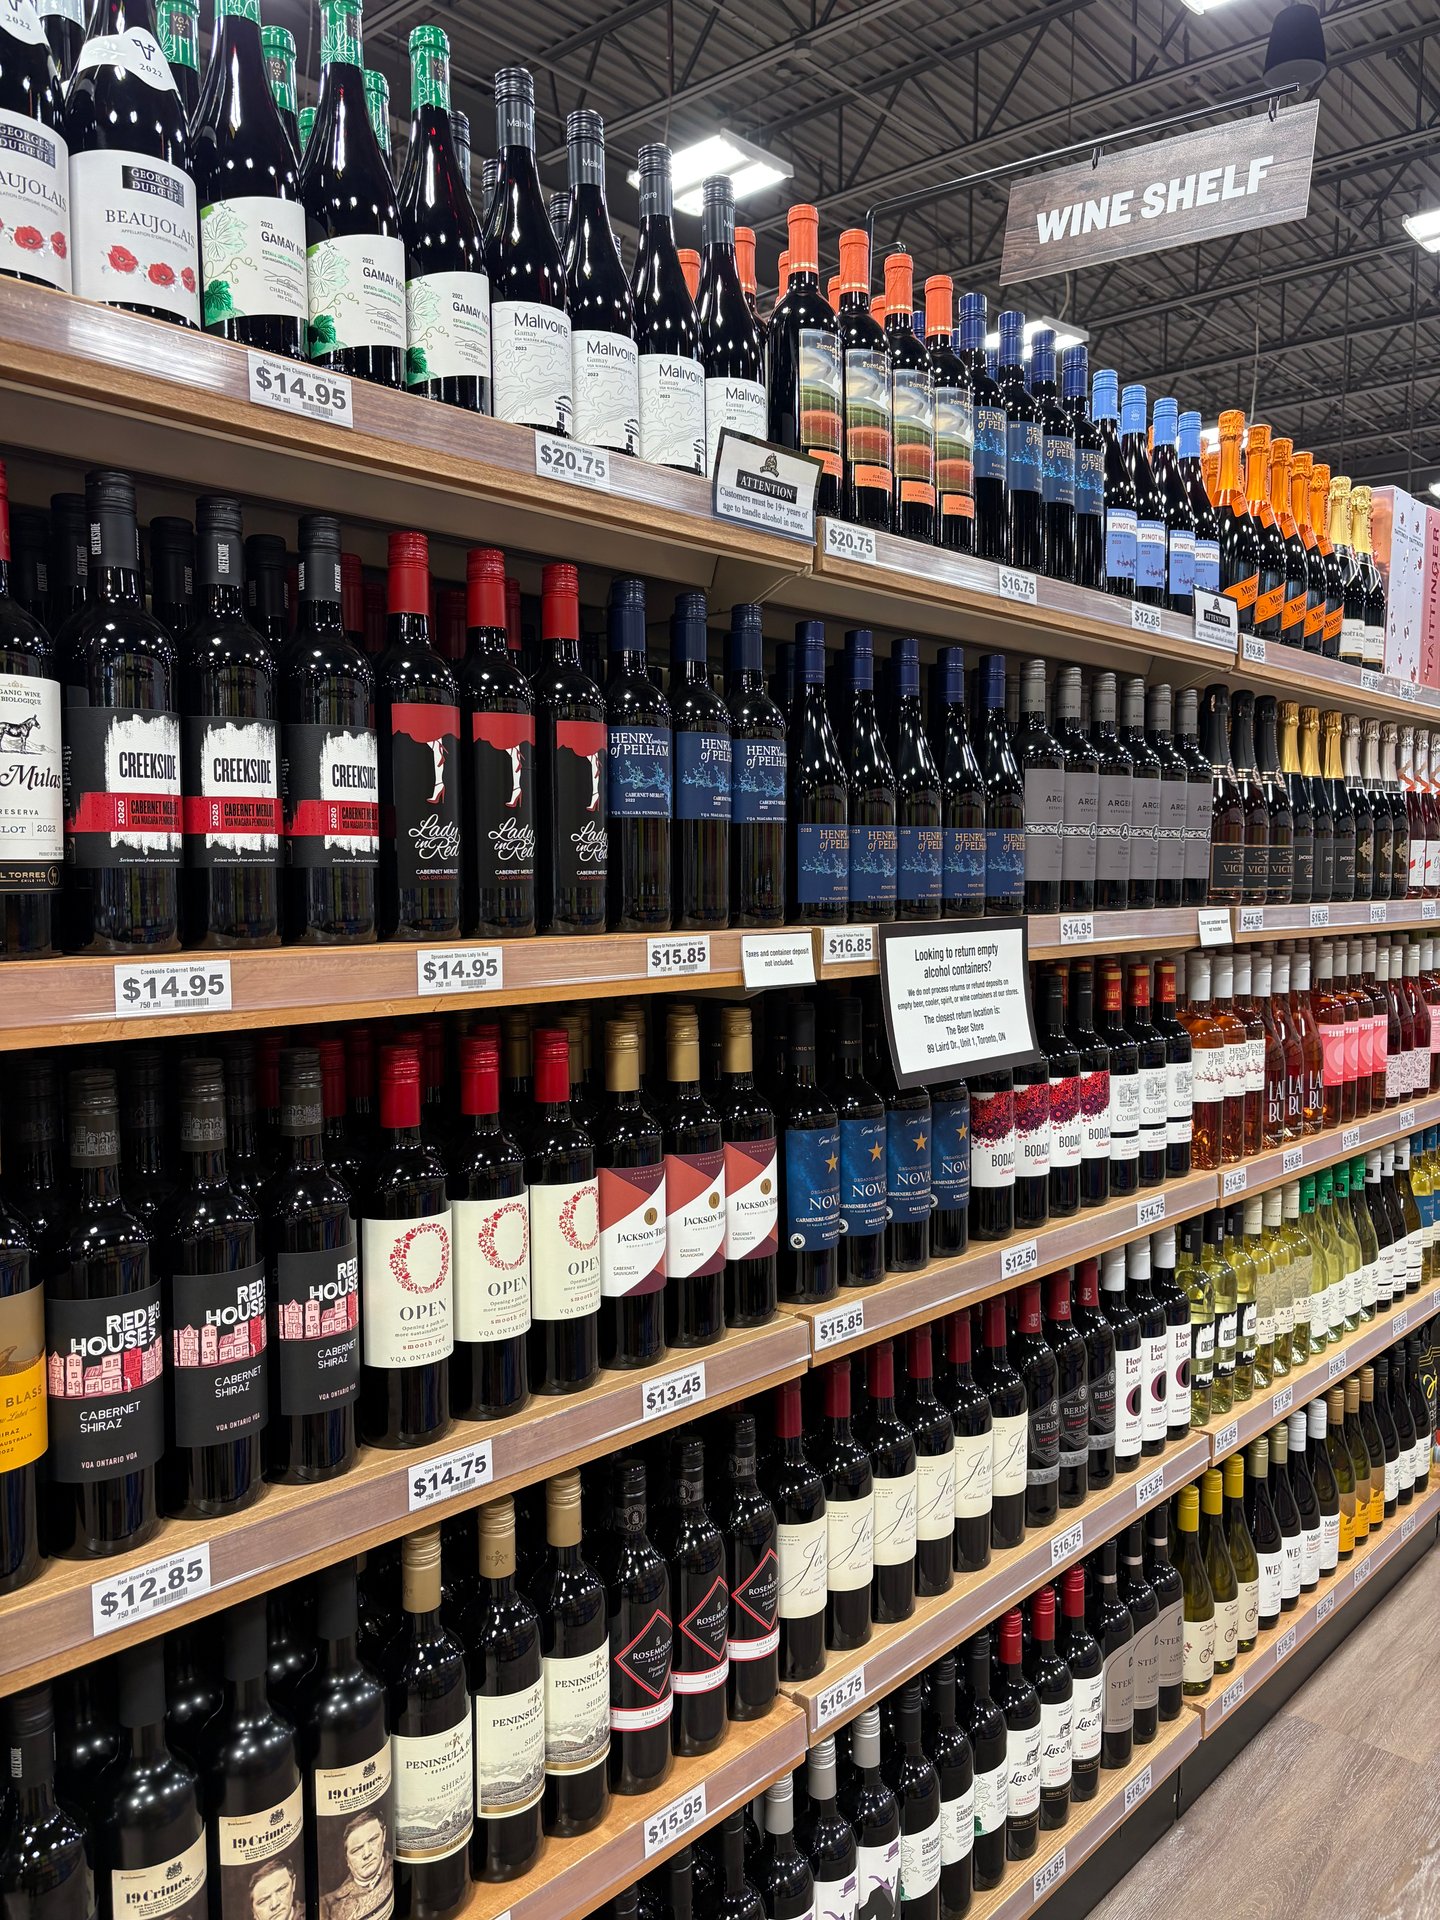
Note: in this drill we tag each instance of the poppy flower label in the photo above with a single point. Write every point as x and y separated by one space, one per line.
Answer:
34 195
135 236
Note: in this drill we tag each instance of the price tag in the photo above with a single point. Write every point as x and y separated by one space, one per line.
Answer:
1150 1488
1430 909
1325 1608
1378 911
1362 1571
1407 1525
459 969
1252 649
1147 1212
1408 690
1019 1259
1252 919
839 1323
1285 1645
1281 1402
1068 1544
1370 680
1144 619
1319 916
1292 1159
1233 1694
1015 584
557 459
154 988
1226 1438
452 1473
839 1697
1399 1322
153 1588
1405 1119
847 946
778 959
671 953
672 1392
1138 1788
1232 1180
304 390
849 543
1338 1363
1213 924
1350 1139
1045 1878
663 1829
1076 929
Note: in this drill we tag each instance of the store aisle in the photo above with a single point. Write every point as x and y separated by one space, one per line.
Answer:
1332 1812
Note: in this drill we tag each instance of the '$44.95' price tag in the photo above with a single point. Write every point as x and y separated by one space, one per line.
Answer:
153 1588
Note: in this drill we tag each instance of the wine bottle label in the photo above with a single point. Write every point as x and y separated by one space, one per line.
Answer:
1145 830
34 180
637 773
580 845
1075 1426
862 1175
1225 1340
1197 829
702 1661
949 1152
1309 1555
258 1853
1150 554
231 808
1374 653
532 376
907 1166
1202 1353
992 1798
957 1827
1022 1757
801 1548
920 1862
812 1188
1101 1398
1086 1713
447 328
850 1543
356 290
492 1268
1271 1583
1024 455
509 1746
1113 825
317 1324
632 1230
838 1899
606 389
330 786
1129 1400
1122 533
174 1888
736 404
217 1356
1208 1076
1180 574
822 854
1044 824
640 1676
1008 1435
1207 565
1329 1544
974 1467
424 791
963 866
895 1517
1154 1095
992 1139
1179 1102
874 865
695 1213
1124 1116
1199 1653
1090 481
1233 1055
935 1495
1043 1461
1155 1406
21 22
912 406
253 260
1079 826
1284 1316
1174 815
1004 864
22 1404
577 1710
1095 1115
122 787
1118 1708
1057 479
434 1793
1352 640
757 781
821 424
32 812
136 51
1291 1558
1146 1659
672 411
702 775
103 1366
955 453
355 1838
920 865
1032 1131
879 1870
565 1250
1269 599
991 438
1056 1738
406 1296
754 1607
752 1200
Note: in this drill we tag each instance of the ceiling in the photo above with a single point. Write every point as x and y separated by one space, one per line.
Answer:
1329 327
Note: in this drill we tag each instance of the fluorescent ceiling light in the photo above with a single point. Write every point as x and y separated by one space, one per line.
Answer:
1064 336
751 169
1424 229
1435 488
1205 6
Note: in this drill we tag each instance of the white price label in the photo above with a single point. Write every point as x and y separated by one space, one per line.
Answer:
155 988
1213 924
1430 909
1226 1438
1252 919
673 1392
1326 1607
674 953
1144 619
840 1697
1405 1119
1349 1139
778 959
557 459
663 1829
154 1588
849 543
453 1473
1066 1545
1147 1212
1233 1694
1150 1488
1285 1644
459 969
1016 1260
839 1323
1292 1159
1362 1571
1407 1525
1138 1788
1370 680
1408 690
1046 1877
1320 916
1281 1402
1232 1180
847 946
1399 1322
1252 649
1378 913
1076 929
304 390
1338 1363
1016 584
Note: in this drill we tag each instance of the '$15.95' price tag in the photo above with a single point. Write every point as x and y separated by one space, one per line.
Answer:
153 1588
663 1829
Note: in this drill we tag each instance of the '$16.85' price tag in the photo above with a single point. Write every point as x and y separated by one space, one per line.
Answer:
153 1588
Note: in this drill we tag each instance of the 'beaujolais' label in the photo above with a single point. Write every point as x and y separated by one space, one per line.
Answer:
34 177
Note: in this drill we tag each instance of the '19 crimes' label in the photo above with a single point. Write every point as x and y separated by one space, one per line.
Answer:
175 1888
434 1793
273 1839
252 260
509 1750
355 1838
34 183
357 293
492 1268
531 372
447 324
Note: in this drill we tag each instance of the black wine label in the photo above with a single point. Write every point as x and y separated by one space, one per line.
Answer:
103 1367
754 1610
581 847
502 765
703 1638
1227 869
423 816
217 1355
231 809
330 790
640 1675
122 787
354 1839
317 1323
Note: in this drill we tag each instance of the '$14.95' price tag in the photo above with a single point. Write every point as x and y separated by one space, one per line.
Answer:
154 1588
275 382
152 989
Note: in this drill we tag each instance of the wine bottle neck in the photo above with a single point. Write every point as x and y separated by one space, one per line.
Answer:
220 602
205 1166
109 584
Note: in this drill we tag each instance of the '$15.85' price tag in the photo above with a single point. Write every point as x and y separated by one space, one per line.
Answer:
153 1588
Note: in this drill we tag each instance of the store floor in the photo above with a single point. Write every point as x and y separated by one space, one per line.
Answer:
1332 1812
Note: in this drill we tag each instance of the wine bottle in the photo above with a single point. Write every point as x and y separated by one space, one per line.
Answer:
1121 514
992 530
954 484
278 46
1144 1605
565 1260
1024 448
783 1874
915 1783
32 813
1098 1332
971 1423
892 1449
757 779
489 1213
1057 468
35 238
22 1416
1067 1343
860 1111
602 311
507 1694
950 1169
694 1195
917 792
962 800
574 1637
1202 511
850 1517
868 1803
44 1871
1009 1407
267 586
803 366
1089 468
1114 1630
952 1757
532 374
1035 1361
571 765
1041 762
989 1745
1004 798
735 1896
695 1553
797 1494
752 1230
817 848
1017 1700
874 839
631 1185
935 1463
667 331
1178 512
254 1797
752 1573
731 344
1199 1597
639 1605
1055 1690
638 769
1169 1625
826 1837
146 1175
1080 1650
1150 514
147 1827
498 728
912 405
702 774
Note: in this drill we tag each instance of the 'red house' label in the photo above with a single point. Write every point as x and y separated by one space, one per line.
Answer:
122 787
231 809
330 785
104 1366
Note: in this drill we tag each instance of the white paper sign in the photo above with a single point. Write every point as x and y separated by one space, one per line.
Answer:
846 946
452 1474
765 486
955 998
674 953
1214 926
843 542
778 959
459 969
1217 621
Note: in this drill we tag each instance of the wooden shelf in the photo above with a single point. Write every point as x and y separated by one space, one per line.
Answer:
851 1681
290 1531
1271 923
1313 680
575 1876
1279 1164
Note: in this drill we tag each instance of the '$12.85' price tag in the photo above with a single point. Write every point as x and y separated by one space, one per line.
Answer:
153 1588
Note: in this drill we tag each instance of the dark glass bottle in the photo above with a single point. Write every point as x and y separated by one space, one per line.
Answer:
797 1494
1110 1621
430 1743
1145 797
950 1170
254 1800
1151 541
1164 1581
146 1821
1202 511
917 792
849 1514
915 1783
817 849
1227 818
530 333
1281 824
962 800
749 1529
498 732
278 46
803 367
1099 1334
631 1172
694 1194
702 774
1095 1088
1121 515
934 1435
992 511
1004 798
747 1123
860 1113
44 1871
1089 469
602 310
1017 1700
731 344
667 330
1079 1649
1024 449
491 1245
782 1872
735 1896
1080 797
1041 762
570 1600
1115 813
638 765
757 778
640 1604
1177 511
694 1550
954 438
32 810
1009 1408
971 1422
868 485
1057 479
869 1805
22 1417
989 1744
1238 535
572 769
1067 1343
1255 813
874 840
912 403
564 1229
1144 1607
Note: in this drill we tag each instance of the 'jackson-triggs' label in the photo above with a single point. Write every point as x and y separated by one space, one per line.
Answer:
330 781
317 1321
217 1355
122 787
259 1852
103 1372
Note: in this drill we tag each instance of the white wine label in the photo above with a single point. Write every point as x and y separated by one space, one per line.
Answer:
32 813
736 404
802 1550
491 1252
447 326
530 365
252 260
1309 1556
21 22
1270 1585
632 1230
258 1853
1022 1758
509 1750
1056 1736
672 411
879 1869
173 1888
1291 1556
957 1828
356 293
434 1793
34 180
355 1837
134 231
606 390
935 1496
1086 1716
577 1710
1170 1643
565 1251
1145 1650
231 808
1129 1396
135 50
1227 1628
992 1799
974 1474
752 1200
850 1543
1249 1604
838 1899
1008 1436
406 1302
895 1519
920 1862
1199 1652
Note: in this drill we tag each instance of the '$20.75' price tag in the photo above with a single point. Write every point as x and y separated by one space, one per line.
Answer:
663 1829
452 1473
153 1588
557 459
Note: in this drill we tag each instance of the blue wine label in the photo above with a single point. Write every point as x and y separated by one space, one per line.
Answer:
1181 582
1089 481
757 781
1024 455
1150 554
1004 863
1057 482
822 859
874 864
702 776
990 443
812 1188
1121 535
1207 566
907 1165
638 773
920 863
862 1175
950 1151
964 864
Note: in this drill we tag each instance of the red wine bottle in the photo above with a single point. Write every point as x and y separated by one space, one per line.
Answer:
782 1872
860 1111
695 1552
971 1422
499 732
565 1259
694 1195
934 1435
1017 1700
849 1517
912 400
992 516
802 353
278 46
917 792
916 1785
490 1224
1055 1690
530 329
667 331
989 1743
602 311
757 779
1067 1344
1035 1361
254 1796
752 1214
1099 1335
640 1603
797 1494
569 1597
638 771
811 1231
702 774
827 1837
22 1416
35 200
1109 1620
629 1153
874 837
891 1446
752 1572
32 807
507 1694
732 344
44 1871
817 850
1009 1406
146 1821
868 1803
1140 1597
962 799
869 453
431 1748
1164 1580
572 768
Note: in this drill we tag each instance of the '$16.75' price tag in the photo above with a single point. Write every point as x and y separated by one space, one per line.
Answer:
153 1588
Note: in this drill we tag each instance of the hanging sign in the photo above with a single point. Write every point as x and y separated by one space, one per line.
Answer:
1172 193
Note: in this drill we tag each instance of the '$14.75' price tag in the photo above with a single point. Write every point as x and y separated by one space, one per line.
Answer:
451 1474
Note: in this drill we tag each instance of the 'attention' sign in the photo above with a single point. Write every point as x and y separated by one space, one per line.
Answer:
1173 193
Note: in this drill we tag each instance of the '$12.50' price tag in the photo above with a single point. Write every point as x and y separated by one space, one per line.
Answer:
154 1588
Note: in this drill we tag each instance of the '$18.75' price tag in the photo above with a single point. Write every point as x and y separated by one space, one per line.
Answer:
153 1588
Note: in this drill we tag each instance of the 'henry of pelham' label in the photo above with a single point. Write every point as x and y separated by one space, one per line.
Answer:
34 182
357 293
355 1836
330 784
103 1368
447 318
122 787
273 1839
231 811
32 809
172 1890
217 1356
317 1320
492 1268
406 1298
252 260
565 1250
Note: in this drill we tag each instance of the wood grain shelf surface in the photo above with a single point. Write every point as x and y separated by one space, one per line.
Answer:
291 1531
851 1681
1313 680
1278 1164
